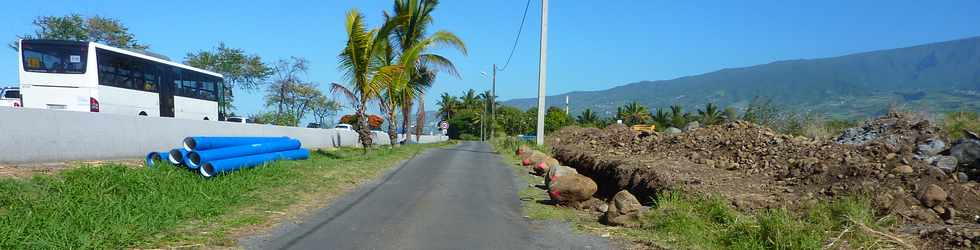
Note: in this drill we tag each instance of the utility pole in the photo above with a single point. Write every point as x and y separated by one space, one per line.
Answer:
493 102
542 71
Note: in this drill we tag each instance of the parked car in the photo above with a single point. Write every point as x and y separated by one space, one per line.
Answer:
10 97
344 126
236 119
314 125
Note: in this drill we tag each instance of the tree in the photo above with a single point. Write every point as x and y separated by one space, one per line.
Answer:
662 118
588 118
246 72
710 114
288 93
555 119
761 111
678 118
74 27
409 24
448 105
366 77
323 107
633 113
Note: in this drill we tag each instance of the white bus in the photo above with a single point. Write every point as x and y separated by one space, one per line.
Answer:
92 77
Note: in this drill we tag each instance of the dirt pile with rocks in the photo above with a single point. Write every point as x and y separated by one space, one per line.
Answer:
892 159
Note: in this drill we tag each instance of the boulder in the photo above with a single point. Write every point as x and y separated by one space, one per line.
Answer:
541 168
931 147
571 189
534 158
672 131
966 151
557 171
692 125
521 149
944 162
623 210
932 195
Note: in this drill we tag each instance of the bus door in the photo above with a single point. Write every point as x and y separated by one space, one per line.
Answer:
166 91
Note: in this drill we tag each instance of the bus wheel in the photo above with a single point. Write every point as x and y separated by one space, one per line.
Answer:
206 118
143 113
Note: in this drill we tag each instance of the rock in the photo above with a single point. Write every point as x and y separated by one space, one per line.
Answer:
931 147
966 151
521 149
571 189
534 158
543 167
943 162
672 131
932 195
624 210
971 134
903 169
557 171
692 125
625 202
962 177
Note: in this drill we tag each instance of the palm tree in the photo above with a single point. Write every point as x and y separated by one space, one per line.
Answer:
661 118
587 118
447 105
471 100
366 77
409 26
633 113
677 116
710 114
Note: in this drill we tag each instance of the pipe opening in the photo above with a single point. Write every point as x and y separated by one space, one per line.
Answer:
207 170
194 158
189 143
175 157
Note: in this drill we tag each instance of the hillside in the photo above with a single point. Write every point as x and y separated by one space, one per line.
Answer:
935 77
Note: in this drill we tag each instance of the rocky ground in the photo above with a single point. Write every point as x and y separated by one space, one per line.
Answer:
903 162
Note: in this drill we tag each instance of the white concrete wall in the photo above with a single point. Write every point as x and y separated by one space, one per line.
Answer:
38 135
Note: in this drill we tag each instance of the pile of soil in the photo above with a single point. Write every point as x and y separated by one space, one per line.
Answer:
755 168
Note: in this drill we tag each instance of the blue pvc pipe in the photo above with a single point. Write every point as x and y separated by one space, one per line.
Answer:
196 158
197 143
231 164
154 158
177 156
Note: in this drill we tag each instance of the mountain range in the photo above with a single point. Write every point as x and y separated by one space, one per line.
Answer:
935 77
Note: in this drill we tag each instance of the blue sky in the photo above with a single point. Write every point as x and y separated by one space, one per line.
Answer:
592 45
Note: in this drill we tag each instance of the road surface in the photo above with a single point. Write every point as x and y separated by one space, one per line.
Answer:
463 197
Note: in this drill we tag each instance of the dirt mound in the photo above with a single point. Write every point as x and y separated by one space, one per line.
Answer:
755 167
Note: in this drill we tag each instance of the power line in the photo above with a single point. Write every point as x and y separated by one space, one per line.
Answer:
518 38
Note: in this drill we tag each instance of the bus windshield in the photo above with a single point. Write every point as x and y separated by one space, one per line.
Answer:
65 58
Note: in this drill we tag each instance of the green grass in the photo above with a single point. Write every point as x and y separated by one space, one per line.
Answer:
955 122
114 206
683 221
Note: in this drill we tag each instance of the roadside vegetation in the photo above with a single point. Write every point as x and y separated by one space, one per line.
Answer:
686 221
116 206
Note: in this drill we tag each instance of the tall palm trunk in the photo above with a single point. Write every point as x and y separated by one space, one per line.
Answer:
392 125
406 117
363 132
421 117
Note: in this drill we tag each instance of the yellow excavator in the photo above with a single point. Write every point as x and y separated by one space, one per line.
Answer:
649 129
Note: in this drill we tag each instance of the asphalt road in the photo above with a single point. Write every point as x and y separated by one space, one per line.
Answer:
454 198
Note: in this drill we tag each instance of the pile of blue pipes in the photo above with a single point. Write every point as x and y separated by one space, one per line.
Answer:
210 156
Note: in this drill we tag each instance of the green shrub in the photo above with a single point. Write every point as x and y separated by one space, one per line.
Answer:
469 137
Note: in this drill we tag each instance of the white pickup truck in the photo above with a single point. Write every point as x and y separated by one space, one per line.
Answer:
10 97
